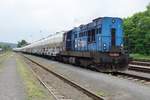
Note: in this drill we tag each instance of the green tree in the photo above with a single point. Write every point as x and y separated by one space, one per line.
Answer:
22 43
137 29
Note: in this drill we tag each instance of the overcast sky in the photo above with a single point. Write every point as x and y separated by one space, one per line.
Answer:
35 19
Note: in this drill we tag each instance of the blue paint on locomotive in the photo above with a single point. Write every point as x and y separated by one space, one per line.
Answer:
97 35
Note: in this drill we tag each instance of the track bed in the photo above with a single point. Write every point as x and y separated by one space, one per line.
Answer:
108 85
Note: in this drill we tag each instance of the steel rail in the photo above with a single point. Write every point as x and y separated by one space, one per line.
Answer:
140 63
75 85
45 85
140 69
133 76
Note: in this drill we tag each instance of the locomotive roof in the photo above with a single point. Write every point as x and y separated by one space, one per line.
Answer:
93 23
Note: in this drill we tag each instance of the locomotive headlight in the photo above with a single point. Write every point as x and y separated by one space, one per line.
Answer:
104 45
121 45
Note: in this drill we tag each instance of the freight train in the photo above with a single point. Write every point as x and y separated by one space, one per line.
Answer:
98 44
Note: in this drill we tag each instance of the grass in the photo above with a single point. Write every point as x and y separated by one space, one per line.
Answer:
3 57
140 57
33 89
4 54
100 93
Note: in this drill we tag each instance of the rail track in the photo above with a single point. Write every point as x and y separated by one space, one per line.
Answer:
145 69
141 63
130 75
137 66
70 82
140 66
124 75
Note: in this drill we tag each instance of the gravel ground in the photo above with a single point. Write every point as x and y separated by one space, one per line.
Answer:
112 87
62 88
11 86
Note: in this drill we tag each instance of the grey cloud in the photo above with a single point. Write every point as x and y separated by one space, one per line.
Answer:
23 19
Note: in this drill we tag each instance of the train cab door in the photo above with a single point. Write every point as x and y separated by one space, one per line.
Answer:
113 37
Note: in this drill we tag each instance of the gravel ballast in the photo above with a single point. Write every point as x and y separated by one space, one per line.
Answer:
109 86
63 89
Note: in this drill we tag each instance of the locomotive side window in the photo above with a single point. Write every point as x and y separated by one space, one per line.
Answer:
75 35
91 35
82 34
98 30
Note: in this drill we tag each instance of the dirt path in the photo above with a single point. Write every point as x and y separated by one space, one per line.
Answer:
11 86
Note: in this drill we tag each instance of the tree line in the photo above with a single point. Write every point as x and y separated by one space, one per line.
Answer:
22 43
137 31
5 47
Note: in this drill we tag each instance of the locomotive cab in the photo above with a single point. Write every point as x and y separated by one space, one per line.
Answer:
117 57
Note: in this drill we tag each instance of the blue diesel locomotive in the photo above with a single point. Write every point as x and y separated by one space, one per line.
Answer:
99 45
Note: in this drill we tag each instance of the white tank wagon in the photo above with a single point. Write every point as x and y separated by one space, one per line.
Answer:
53 45
50 46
